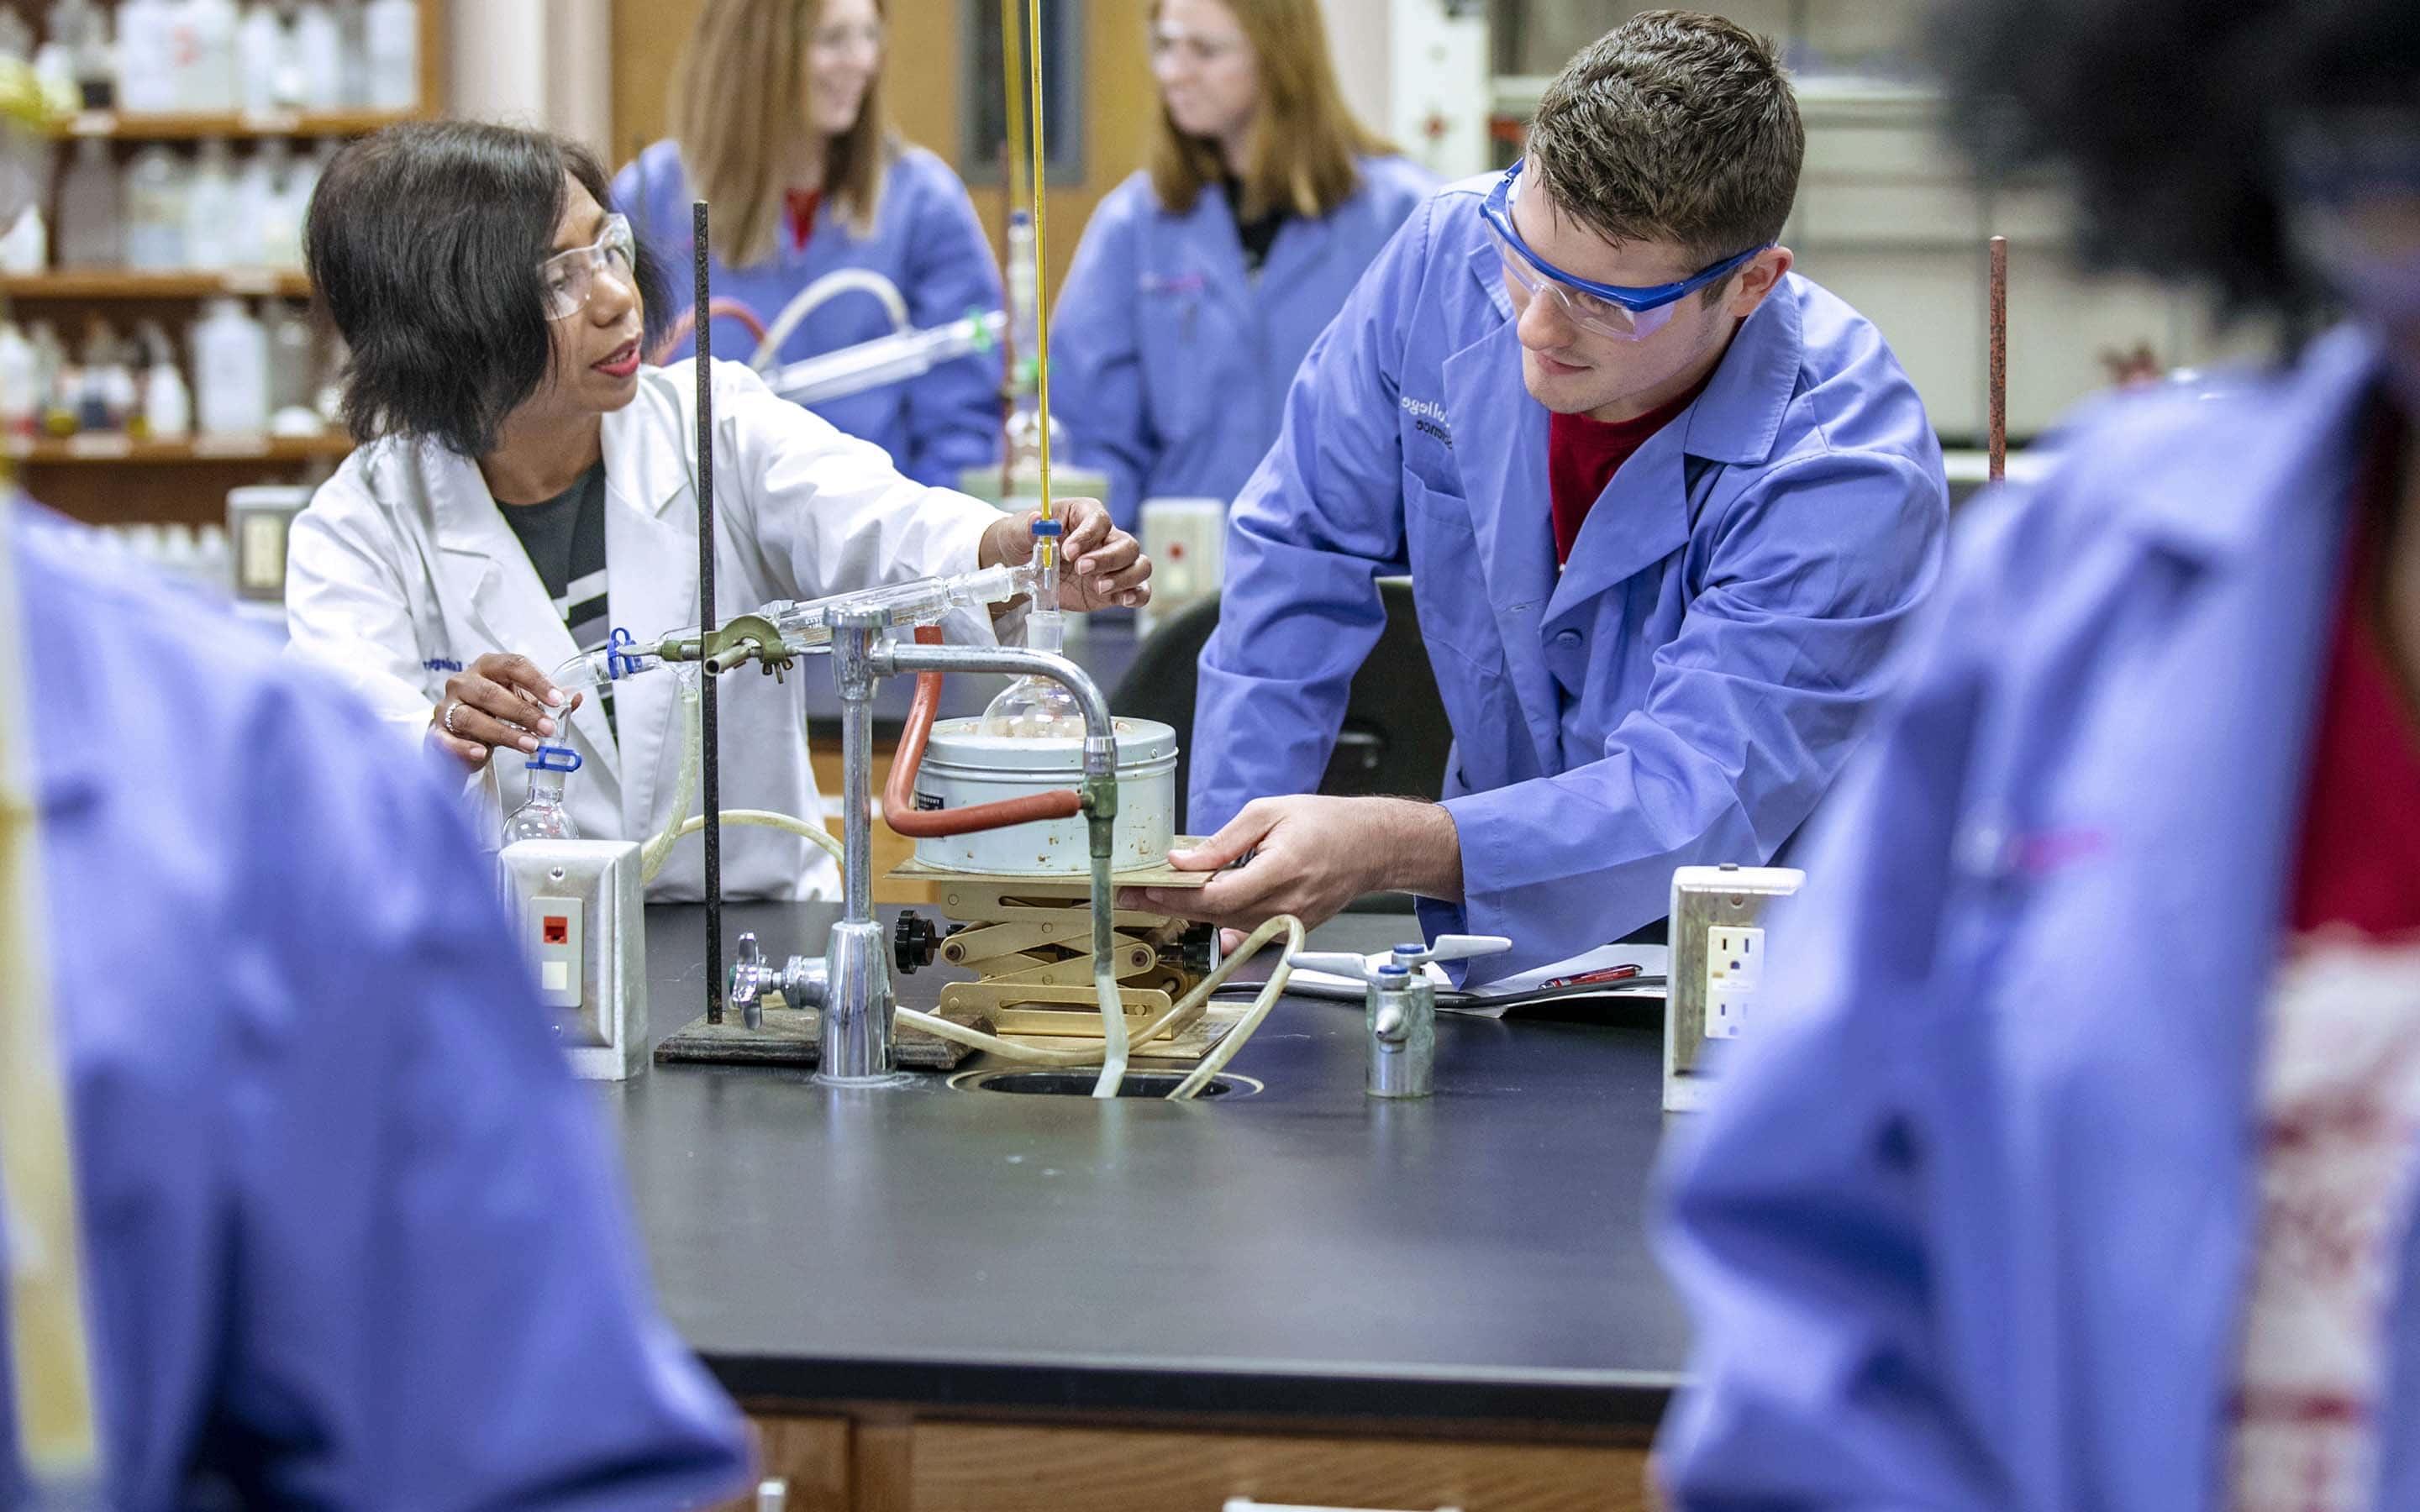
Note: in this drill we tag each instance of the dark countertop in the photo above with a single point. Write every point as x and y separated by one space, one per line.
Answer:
1103 644
1305 1252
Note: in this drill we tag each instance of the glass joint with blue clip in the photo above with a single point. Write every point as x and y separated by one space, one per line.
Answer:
1623 313
542 814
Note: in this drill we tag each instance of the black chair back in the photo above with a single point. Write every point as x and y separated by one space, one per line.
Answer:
1394 738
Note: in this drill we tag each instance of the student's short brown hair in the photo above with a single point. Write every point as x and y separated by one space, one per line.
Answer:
1672 127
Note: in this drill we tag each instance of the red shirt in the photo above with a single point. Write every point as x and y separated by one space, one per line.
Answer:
1583 454
2359 862
802 205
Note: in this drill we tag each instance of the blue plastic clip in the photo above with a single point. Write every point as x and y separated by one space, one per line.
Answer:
1051 529
554 759
619 663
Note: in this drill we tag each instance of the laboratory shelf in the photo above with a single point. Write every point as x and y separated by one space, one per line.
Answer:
146 126
249 283
124 449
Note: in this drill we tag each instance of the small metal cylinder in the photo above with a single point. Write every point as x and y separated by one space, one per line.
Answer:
1401 1019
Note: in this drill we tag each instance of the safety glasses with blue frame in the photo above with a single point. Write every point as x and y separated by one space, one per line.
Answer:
1625 313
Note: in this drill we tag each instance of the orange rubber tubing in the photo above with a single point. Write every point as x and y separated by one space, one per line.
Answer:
899 809
685 324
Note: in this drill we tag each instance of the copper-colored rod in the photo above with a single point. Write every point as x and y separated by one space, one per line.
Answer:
1999 358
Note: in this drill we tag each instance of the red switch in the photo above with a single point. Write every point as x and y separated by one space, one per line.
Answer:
558 929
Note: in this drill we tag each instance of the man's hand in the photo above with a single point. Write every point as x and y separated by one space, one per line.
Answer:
498 700
1311 855
1100 566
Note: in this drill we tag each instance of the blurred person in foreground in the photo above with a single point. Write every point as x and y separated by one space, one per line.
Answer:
350 1234
2076 1165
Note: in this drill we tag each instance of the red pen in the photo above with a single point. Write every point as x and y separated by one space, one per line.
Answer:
1590 978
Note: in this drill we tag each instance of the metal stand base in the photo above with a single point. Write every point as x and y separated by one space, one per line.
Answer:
793 1037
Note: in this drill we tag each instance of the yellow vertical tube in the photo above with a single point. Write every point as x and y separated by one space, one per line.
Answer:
1041 189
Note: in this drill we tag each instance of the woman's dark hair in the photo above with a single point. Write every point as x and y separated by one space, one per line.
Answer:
425 242
2169 116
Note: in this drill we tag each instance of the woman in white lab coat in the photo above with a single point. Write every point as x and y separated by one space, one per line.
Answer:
526 485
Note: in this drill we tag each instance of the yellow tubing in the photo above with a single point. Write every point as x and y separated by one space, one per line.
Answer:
1183 1012
1040 181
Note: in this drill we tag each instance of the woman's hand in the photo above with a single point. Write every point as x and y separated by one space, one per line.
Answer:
498 701
1100 566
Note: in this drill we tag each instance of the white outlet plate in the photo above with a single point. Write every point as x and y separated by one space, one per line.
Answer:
1735 970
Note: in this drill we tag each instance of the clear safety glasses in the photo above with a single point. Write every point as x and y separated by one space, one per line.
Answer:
1625 313
569 277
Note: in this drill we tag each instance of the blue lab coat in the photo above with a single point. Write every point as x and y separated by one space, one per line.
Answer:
353 1235
1169 362
926 240
1681 693
1970 1223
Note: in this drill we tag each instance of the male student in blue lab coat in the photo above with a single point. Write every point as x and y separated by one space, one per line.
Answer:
2073 1165
352 1236
1665 504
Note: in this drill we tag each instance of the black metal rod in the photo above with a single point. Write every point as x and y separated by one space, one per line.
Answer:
708 733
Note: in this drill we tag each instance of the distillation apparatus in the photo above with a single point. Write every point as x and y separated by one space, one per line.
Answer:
851 985
1052 706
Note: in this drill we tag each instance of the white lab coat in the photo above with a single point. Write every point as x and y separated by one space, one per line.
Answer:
402 570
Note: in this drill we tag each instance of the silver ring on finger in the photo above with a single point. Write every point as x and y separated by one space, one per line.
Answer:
453 707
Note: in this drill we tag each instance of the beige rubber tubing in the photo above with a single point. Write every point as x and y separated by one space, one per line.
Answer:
653 856
1181 1013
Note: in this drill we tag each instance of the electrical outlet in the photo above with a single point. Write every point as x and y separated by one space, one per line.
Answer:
1735 970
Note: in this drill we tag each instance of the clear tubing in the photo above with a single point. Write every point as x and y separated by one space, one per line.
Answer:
814 297
658 850
885 360
1105 981
682 823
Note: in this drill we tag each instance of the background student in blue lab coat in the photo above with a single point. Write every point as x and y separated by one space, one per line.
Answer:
2074 1167
777 122
1665 504
352 1235
1200 284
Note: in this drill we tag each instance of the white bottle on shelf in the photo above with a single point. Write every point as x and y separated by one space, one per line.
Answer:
50 365
157 185
211 209
204 33
272 237
293 372
261 47
168 404
318 55
21 384
26 248
91 226
391 29
146 58
230 371
352 56
81 31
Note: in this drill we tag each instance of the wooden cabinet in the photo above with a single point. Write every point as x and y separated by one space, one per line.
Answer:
902 1465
